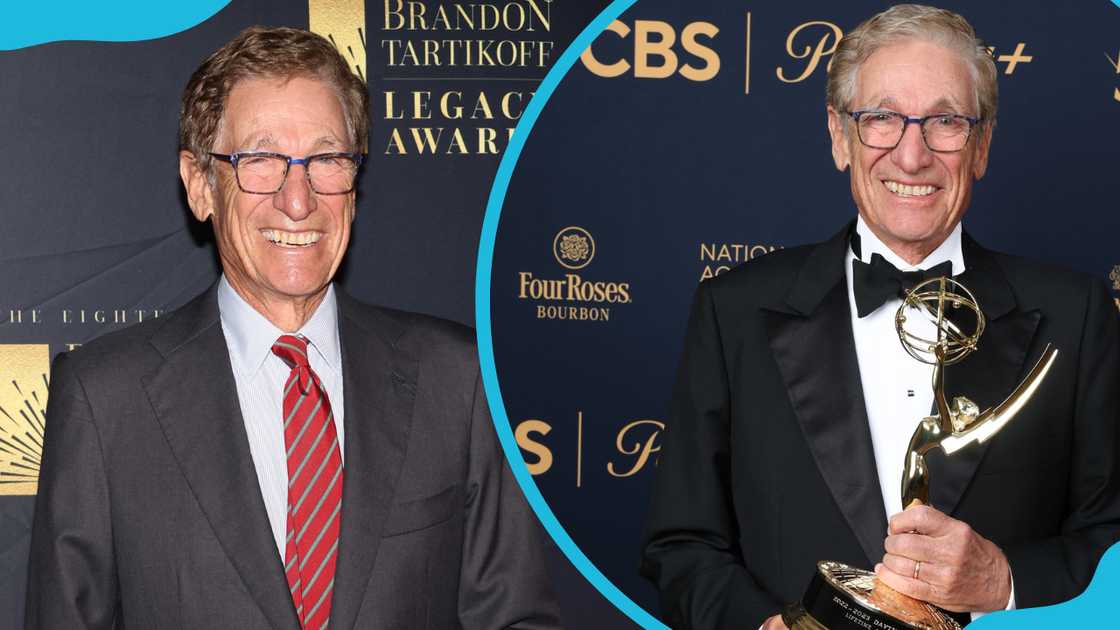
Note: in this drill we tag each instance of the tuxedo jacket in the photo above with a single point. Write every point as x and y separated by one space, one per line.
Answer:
149 514
767 463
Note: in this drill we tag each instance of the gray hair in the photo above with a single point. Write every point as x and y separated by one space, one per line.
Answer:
913 21
258 51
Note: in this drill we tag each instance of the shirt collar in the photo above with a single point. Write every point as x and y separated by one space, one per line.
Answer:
250 335
949 249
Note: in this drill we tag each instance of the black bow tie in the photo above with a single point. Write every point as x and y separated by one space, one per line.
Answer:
879 281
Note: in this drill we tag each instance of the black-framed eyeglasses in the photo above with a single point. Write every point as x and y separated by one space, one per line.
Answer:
264 173
943 133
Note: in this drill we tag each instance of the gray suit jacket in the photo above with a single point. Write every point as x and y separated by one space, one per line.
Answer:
149 514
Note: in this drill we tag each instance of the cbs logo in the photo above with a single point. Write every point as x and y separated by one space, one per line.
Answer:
658 53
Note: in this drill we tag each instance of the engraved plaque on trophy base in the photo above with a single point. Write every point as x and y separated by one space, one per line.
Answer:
841 597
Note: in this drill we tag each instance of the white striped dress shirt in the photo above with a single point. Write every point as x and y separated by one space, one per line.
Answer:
260 376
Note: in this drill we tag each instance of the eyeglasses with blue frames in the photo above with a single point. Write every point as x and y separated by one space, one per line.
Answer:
942 133
264 173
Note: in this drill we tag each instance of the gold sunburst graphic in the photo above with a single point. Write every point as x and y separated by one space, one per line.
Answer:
344 23
23 404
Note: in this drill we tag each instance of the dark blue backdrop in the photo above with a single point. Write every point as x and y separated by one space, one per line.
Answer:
664 172
92 217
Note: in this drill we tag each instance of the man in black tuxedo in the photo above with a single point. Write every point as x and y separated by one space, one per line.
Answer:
795 401
195 471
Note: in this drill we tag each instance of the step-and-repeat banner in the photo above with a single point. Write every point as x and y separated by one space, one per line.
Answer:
690 138
95 233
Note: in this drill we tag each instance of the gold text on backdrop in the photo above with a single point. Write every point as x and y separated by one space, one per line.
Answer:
720 257
451 105
513 16
640 449
67 316
21 316
426 42
524 435
636 444
654 51
829 34
1015 58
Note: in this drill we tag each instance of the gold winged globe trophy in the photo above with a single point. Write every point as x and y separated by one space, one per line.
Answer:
938 323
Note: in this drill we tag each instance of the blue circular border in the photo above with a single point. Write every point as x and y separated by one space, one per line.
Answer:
1084 608
485 335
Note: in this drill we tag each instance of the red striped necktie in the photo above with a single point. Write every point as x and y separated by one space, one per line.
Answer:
314 486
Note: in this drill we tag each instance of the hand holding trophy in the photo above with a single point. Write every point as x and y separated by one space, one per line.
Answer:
840 596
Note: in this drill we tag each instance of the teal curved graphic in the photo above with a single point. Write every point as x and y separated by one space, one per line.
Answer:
1089 608
29 23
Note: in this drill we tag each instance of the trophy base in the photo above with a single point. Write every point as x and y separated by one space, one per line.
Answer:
841 597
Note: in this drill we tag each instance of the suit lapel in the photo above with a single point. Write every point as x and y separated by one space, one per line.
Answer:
989 374
194 396
814 348
380 381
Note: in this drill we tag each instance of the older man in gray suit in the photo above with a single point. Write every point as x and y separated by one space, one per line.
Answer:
276 454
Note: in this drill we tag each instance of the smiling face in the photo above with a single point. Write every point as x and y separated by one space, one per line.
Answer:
910 197
277 250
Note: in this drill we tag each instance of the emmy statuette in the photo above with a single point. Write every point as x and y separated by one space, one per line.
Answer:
840 597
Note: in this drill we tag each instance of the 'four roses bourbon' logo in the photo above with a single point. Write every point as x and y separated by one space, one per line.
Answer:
573 247
572 297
